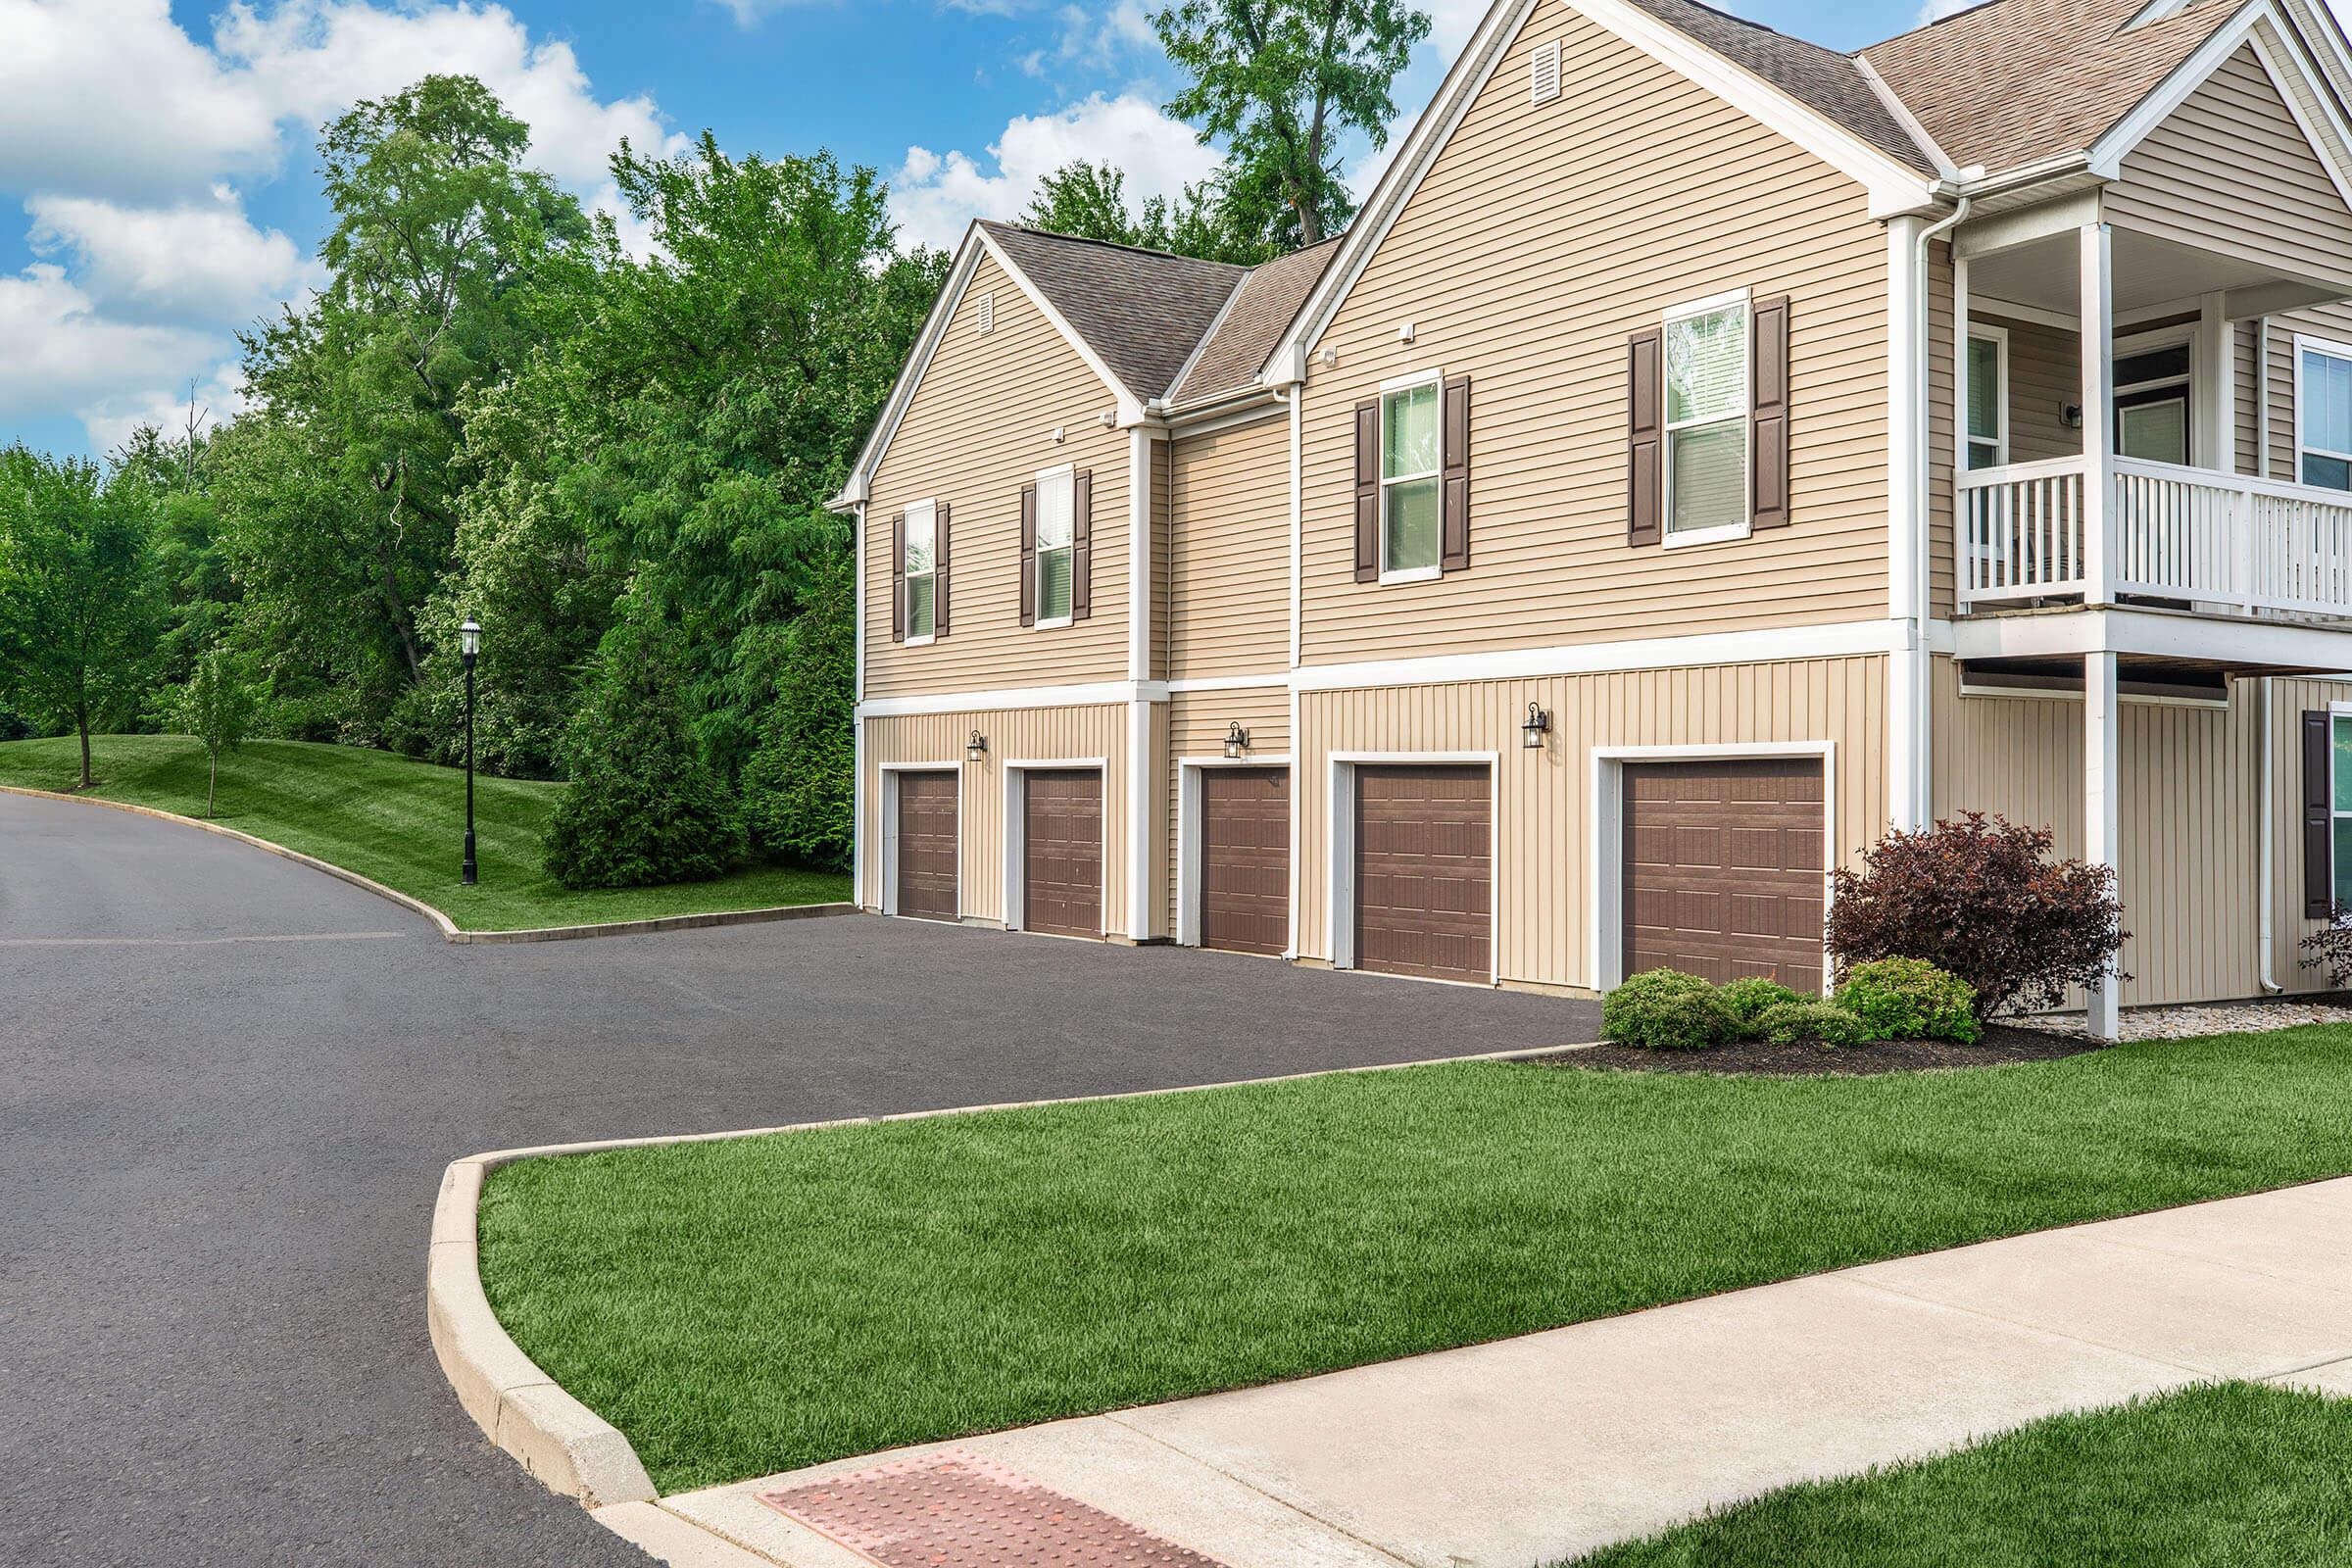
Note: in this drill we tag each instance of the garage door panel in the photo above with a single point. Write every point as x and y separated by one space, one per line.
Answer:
927 847
1423 873
1740 891
1245 859
1061 852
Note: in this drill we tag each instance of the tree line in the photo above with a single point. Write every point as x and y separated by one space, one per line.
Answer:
614 458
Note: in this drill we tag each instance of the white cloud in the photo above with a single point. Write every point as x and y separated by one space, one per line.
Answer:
934 195
63 354
219 397
1095 40
192 260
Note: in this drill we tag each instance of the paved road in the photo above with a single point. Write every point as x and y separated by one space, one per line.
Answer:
228 1085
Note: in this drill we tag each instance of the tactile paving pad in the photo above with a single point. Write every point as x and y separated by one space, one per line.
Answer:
955 1509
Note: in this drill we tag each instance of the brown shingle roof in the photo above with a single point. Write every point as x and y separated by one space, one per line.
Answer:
1270 297
2013 82
1143 311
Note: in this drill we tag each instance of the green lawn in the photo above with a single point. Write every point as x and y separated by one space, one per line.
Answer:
2232 1475
399 821
754 1305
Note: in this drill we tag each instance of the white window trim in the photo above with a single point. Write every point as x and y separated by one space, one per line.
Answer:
1043 623
931 636
1606 959
1340 910
2339 713
1016 831
1998 337
1407 383
1192 838
2335 351
887 899
1722 533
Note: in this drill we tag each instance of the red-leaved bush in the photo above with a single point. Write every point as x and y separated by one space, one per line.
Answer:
1980 897
2330 948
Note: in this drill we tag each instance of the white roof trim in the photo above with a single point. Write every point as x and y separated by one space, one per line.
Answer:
2108 151
1903 117
1175 391
1893 188
2331 138
1131 407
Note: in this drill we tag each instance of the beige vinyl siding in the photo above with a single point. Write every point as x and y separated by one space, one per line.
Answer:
1196 723
2232 171
1542 236
2246 410
1542 852
1015 735
2045 374
1230 566
1164 553
2332 323
1943 425
981 426
2189 806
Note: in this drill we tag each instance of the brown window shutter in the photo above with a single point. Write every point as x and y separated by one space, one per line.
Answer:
2318 824
898 577
1455 474
1768 413
1082 544
1367 491
1644 435
1028 555
938 572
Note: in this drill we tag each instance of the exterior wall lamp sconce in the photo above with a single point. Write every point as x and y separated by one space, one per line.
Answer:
975 749
1534 728
1237 739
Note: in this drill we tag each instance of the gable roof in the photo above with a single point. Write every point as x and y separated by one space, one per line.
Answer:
1142 312
1252 323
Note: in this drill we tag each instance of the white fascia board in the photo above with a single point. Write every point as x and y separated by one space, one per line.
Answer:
2153 634
2107 154
2289 66
1131 407
1175 392
1902 116
1833 640
858 487
1095 694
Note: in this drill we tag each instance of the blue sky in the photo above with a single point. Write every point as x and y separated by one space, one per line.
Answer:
158 155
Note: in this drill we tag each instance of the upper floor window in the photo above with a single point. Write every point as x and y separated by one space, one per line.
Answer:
1411 519
1706 419
921 568
1056 512
2323 413
1988 398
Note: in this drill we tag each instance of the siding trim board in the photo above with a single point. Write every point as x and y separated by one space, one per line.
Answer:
1340 802
1605 911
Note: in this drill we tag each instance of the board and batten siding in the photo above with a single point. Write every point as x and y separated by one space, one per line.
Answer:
1542 235
1015 735
2188 805
980 426
1197 724
2231 171
1228 570
1541 851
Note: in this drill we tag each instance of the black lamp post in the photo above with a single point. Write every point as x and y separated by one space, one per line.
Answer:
469 646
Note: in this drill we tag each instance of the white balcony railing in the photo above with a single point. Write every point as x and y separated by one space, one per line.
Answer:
2192 534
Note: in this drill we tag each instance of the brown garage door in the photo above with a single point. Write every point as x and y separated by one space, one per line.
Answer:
927 846
1723 869
1245 859
1422 838
1062 854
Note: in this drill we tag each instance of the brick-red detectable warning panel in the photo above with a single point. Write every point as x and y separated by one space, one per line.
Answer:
957 1510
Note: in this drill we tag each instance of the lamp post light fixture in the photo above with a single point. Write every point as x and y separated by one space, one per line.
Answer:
975 749
1534 728
1237 739
470 648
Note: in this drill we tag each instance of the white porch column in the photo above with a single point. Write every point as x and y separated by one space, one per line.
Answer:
2101 814
1907 469
2097 316
2216 364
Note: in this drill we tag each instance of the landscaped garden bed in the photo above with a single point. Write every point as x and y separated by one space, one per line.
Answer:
1998 1044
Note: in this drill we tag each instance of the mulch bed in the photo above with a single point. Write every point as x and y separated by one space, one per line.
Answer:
2002 1042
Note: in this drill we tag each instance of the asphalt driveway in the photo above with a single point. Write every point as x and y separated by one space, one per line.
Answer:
228 1085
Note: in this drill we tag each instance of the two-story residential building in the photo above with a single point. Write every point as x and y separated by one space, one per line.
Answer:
1705 451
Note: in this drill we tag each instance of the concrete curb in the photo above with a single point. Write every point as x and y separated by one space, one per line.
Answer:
449 930
569 1446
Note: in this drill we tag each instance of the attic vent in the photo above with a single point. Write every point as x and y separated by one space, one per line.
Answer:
1543 73
987 313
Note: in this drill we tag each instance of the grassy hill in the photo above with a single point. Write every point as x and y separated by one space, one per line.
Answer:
397 820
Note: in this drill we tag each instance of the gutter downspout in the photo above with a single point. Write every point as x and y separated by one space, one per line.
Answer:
2267 849
1907 556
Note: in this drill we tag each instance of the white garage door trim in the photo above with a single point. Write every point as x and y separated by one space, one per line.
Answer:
888 900
1605 959
1017 829
1339 914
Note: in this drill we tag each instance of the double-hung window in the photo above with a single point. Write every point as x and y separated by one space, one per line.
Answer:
1988 398
922 568
1057 507
1707 420
1411 508
2323 433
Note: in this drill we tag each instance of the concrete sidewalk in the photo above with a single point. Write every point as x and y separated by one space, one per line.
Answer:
1516 1453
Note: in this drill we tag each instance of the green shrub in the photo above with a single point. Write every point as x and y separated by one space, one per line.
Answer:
1751 999
797 790
1666 1009
1910 999
643 807
1792 1024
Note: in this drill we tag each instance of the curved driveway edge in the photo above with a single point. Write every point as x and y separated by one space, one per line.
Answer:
449 930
